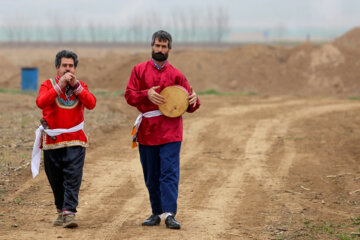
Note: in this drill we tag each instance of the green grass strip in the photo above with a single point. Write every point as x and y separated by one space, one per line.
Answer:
107 93
217 93
354 98
16 91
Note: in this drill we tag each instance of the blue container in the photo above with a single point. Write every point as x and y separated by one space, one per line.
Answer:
29 79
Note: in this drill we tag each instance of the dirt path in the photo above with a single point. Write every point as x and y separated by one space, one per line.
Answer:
251 168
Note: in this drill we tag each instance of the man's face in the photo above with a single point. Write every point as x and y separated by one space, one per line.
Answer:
66 65
160 50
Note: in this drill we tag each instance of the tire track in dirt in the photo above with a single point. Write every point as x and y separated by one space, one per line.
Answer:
252 164
255 173
208 178
225 176
113 192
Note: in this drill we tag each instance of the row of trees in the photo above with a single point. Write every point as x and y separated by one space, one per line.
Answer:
211 25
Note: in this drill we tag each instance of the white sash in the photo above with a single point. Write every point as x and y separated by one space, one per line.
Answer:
36 153
137 123
149 114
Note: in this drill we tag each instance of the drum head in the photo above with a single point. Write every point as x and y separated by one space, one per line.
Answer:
177 102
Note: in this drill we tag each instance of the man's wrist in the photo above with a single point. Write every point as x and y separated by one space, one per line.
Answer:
77 88
76 85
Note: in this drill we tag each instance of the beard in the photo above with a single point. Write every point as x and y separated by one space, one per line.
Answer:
159 56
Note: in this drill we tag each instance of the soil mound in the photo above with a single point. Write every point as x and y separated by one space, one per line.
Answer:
8 72
331 69
350 40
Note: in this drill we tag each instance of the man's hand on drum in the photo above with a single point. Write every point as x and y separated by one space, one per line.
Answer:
192 97
154 97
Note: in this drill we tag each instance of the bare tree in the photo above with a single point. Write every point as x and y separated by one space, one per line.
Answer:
135 30
9 31
74 30
189 25
280 30
92 32
184 26
176 24
210 24
194 24
149 26
222 21
58 29
113 34
39 33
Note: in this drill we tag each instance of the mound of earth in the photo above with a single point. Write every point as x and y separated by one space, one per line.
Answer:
350 39
9 74
331 69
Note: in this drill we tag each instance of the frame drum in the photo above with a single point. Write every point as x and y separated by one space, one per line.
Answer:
176 101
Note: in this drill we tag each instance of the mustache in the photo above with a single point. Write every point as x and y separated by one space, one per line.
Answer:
159 54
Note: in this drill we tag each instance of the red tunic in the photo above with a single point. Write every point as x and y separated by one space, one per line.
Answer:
161 129
60 112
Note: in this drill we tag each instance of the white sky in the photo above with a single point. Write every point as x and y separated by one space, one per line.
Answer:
242 13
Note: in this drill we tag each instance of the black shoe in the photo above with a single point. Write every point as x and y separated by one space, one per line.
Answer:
153 220
172 223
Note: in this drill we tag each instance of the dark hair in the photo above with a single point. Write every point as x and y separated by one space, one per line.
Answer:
66 54
162 36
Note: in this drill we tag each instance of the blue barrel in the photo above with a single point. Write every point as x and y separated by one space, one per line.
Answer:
29 79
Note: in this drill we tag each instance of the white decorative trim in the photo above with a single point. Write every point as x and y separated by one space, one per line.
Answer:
58 89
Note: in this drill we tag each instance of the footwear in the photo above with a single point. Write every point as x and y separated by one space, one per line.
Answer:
59 220
70 221
171 222
153 220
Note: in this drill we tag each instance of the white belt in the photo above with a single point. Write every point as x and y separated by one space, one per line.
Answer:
36 153
137 123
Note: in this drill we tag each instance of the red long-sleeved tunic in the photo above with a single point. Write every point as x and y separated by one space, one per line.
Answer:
161 129
60 112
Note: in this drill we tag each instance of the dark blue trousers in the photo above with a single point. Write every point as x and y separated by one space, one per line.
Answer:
64 169
160 165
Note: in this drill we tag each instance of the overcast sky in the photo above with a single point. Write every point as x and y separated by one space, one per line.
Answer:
241 13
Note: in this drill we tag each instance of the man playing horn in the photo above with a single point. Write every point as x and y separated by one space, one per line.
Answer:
62 100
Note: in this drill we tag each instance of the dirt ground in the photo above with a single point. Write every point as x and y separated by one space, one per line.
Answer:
252 167
276 159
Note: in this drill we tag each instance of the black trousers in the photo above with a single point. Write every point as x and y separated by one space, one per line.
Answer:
64 169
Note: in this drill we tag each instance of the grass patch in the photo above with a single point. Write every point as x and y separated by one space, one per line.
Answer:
354 98
345 237
107 93
16 91
332 231
355 221
18 200
24 156
209 92
217 93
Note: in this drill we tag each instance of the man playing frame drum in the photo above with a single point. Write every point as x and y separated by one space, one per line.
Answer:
158 135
